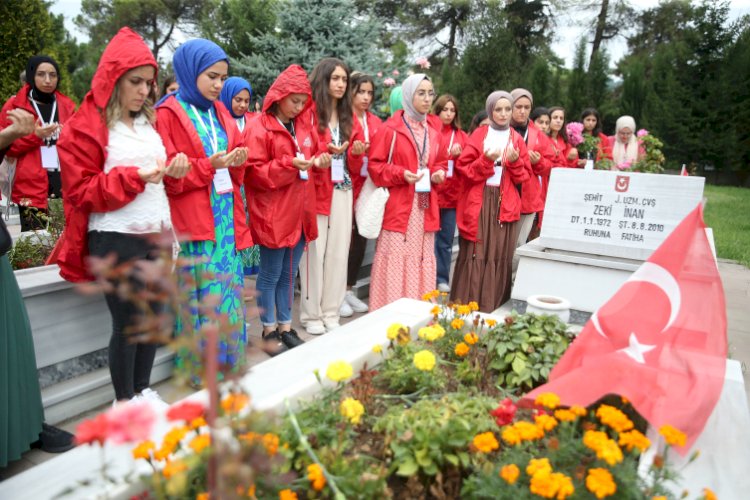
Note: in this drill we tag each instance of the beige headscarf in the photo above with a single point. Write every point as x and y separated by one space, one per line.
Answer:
622 152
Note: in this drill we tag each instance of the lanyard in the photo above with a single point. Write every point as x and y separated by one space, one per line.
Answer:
365 127
39 113
213 139
292 133
240 123
424 143
450 145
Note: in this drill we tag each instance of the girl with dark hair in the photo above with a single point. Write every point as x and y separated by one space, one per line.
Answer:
477 120
492 166
540 117
365 126
170 85
564 155
38 167
324 283
207 206
592 125
452 140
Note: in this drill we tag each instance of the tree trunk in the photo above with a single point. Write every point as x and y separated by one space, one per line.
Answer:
601 23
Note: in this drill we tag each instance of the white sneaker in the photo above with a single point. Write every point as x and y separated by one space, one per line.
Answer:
152 397
332 325
315 329
444 287
354 303
345 310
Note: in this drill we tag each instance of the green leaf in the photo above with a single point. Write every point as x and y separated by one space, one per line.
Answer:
451 458
407 468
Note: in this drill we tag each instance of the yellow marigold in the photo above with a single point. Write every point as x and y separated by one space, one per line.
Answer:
173 467
352 410
234 402
200 442
471 338
287 495
600 482
486 442
462 349
270 443
609 452
339 371
579 410
377 348
463 310
551 485
162 453
197 423
393 330
521 431
565 486
491 322
673 436
457 323
431 333
708 494
174 436
202 496
473 306
424 360
660 497
614 418
545 422
634 439
548 400
143 450
510 473
435 310
316 477
565 415
594 439
538 465
431 295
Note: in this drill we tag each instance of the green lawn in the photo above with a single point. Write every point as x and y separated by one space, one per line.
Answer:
728 213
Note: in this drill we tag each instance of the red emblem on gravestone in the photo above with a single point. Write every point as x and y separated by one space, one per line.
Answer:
622 183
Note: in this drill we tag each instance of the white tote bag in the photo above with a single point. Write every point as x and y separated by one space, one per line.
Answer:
370 206
7 175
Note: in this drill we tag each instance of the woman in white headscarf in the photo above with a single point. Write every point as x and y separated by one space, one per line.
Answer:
402 158
625 147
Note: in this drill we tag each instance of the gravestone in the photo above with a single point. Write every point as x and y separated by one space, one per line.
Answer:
599 227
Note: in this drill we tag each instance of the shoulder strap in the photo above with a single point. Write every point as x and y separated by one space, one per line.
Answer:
393 142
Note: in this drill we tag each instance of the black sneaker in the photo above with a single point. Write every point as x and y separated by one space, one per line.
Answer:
54 440
291 339
273 344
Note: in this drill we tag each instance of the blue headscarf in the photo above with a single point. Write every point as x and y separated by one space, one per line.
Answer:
190 60
233 86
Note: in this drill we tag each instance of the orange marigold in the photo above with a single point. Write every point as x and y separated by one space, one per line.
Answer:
234 402
457 323
485 442
600 482
287 495
473 306
521 431
491 322
471 338
634 439
173 467
548 400
545 422
200 442
579 410
538 465
316 477
271 443
614 418
565 415
708 494
510 473
673 436
143 450
462 349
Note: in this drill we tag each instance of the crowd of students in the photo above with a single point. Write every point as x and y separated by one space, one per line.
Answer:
272 191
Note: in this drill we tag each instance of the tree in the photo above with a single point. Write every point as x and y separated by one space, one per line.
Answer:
155 20
577 83
232 23
308 31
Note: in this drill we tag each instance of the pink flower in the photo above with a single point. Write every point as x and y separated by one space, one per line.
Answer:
395 72
380 74
131 422
389 82
504 412
575 133
642 132
423 63
187 411
93 430
626 165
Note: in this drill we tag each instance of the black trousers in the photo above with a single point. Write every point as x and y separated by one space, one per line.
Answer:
129 363
357 249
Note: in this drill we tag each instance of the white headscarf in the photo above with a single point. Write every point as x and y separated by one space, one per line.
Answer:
408 89
625 152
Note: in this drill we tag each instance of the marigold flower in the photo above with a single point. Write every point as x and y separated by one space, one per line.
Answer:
173 467
287 495
143 450
538 465
579 410
505 412
521 431
431 295
565 415
316 477
339 371
203 496
473 306
270 443
673 436
551 485
435 310
708 494
377 348
234 402
197 423
174 436
457 323
609 452
491 322
545 422
565 486
600 482
463 310
424 360
634 439
471 338
393 331
187 411
660 497
162 453
200 442
614 418
431 333
485 442
352 410
510 473
548 400
462 349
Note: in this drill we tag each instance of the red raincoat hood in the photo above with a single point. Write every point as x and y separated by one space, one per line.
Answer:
292 80
125 51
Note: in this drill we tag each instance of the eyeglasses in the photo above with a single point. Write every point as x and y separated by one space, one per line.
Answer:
423 93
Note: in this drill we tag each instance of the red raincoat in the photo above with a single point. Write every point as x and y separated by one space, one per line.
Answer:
532 200
449 190
355 161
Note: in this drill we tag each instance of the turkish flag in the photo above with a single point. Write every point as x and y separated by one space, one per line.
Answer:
684 171
660 341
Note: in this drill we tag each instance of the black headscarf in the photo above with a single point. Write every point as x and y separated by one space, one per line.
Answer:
31 67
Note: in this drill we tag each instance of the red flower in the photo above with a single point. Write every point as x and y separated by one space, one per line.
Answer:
187 411
504 412
93 430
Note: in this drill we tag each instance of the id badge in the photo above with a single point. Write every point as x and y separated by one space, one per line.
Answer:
495 179
450 169
50 161
363 170
303 174
423 185
222 181
589 165
337 170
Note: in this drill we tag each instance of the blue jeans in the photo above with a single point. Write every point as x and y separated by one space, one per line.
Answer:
444 244
275 282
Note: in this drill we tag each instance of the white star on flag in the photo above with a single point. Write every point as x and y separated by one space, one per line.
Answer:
636 350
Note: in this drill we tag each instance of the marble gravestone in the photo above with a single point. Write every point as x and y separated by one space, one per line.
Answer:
599 227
